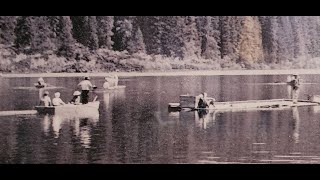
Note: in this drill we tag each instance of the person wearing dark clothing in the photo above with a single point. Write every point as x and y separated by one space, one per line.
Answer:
84 96
202 102
202 113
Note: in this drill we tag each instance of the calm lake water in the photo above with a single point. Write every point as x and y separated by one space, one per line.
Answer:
134 125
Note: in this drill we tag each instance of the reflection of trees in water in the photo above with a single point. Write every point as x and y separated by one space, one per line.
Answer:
28 139
132 134
180 143
8 139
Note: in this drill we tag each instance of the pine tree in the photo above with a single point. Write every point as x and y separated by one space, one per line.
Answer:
230 27
215 22
54 28
23 32
92 35
33 34
152 29
270 38
299 41
172 37
285 39
208 35
123 31
7 26
310 33
105 26
64 34
136 42
251 49
79 24
85 30
317 36
236 26
191 40
41 35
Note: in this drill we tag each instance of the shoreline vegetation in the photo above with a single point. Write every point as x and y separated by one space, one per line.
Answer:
96 44
169 73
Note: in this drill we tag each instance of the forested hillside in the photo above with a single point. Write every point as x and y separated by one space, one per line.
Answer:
138 43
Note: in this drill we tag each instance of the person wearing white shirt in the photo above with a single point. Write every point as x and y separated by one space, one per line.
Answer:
85 88
57 101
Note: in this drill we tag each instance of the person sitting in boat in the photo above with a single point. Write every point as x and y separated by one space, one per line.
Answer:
202 104
113 80
85 88
57 101
45 100
41 83
76 98
107 84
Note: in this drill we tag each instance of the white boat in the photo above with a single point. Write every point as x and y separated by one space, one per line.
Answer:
71 109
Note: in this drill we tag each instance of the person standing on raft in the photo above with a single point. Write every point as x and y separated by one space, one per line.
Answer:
294 87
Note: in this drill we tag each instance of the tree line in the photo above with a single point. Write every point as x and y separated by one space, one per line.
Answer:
238 39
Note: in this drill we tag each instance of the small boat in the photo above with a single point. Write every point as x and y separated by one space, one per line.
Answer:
189 103
111 89
82 109
37 87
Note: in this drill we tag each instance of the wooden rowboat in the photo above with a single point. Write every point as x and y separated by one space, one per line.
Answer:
82 109
90 110
37 87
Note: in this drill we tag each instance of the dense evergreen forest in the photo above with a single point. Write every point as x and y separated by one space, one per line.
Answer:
140 43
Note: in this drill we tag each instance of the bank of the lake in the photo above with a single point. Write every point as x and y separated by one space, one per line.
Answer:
169 73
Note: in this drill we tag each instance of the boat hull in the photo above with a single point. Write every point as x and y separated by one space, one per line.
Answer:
92 108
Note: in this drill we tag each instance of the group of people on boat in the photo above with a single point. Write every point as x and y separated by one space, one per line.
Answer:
78 97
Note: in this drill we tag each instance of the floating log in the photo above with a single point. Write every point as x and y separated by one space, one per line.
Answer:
189 102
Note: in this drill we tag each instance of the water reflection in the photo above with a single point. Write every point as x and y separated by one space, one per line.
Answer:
134 126
244 136
205 118
81 127
116 96
46 124
296 119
